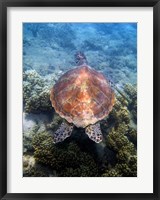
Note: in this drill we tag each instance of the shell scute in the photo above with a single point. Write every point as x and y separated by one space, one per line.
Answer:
82 96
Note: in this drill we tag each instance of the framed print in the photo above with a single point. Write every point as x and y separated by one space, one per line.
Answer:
79 99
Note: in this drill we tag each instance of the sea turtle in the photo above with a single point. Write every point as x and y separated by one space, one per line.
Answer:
83 97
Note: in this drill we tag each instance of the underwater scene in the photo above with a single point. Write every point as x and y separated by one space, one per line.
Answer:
79 100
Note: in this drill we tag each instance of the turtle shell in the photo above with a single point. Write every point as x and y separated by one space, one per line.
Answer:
82 96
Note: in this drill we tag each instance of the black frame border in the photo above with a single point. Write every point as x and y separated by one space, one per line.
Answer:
4 4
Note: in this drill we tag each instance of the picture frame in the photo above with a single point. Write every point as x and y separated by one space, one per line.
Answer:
4 4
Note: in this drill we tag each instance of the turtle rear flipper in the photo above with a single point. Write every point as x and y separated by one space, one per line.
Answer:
63 132
94 132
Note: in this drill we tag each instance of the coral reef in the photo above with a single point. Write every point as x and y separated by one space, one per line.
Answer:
116 138
112 173
128 169
122 135
111 48
131 91
53 33
119 113
32 169
56 121
68 160
35 94
28 162
33 124
132 135
123 169
125 108
28 133
125 153
27 143
103 46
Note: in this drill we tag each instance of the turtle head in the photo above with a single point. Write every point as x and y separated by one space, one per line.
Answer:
80 58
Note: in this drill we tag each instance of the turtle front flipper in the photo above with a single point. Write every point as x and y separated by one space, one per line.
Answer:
94 132
63 132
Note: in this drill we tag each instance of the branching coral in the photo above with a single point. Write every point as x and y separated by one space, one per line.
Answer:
128 169
28 135
57 120
122 100
119 139
112 173
43 146
36 96
33 78
67 160
116 138
125 151
131 91
119 114
30 168
27 89
125 105
132 135
27 144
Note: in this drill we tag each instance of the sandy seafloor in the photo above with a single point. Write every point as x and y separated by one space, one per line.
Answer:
48 52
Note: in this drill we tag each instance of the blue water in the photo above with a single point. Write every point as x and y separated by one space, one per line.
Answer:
109 47
48 52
